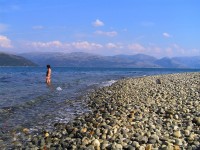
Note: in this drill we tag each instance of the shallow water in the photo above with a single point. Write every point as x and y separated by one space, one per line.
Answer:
27 102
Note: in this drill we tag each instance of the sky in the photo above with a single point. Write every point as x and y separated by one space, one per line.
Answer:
160 28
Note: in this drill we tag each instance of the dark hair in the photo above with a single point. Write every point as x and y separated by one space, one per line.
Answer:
48 66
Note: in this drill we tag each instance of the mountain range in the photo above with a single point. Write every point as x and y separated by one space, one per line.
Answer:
14 60
80 59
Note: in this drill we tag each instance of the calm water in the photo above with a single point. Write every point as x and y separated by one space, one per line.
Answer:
27 102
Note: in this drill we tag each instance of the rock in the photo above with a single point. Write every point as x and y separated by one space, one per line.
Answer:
129 147
177 134
161 111
155 137
85 141
176 127
83 130
104 145
46 134
176 147
187 132
91 147
26 130
176 117
192 137
178 142
167 147
144 139
196 120
142 147
116 146
152 141
136 144
96 143
148 147
158 81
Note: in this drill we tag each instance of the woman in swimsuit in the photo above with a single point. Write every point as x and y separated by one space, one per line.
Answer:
48 74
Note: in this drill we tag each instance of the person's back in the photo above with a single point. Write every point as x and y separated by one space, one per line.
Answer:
48 74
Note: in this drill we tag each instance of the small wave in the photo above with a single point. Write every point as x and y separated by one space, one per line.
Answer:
5 79
59 89
108 83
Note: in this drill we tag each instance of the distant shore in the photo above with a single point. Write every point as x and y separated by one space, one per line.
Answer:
151 113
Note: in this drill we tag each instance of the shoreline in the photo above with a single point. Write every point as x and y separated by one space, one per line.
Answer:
151 112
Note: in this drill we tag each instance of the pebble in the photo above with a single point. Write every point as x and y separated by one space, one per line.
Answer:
148 113
177 134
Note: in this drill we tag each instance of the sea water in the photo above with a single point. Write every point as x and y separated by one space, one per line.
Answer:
27 102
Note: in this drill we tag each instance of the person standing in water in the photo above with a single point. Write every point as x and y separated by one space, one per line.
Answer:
48 74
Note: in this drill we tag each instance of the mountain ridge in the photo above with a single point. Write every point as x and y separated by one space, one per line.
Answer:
14 60
81 59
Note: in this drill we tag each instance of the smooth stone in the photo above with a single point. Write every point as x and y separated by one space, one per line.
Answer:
96 143
116 146
167 147
178 142
148 147
152 141
189 128
144 139
187 132
177 134
154 136
85 141
176 117
136 144
104 145
91 147
196 120
142 147
130 147
176 127
191 137
176 147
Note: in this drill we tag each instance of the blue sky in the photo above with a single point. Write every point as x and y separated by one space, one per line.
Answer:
161 28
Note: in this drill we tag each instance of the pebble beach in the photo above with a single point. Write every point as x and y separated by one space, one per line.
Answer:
159 112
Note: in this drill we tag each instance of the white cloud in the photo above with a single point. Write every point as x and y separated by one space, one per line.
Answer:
110 34
51 44
167 35
169 51
136 47
86 45
195 51
98 23
57 45
5 42
111 45
109 48
3 27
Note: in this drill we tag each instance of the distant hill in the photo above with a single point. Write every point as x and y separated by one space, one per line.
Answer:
189 61
14 60
169 63
80 59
